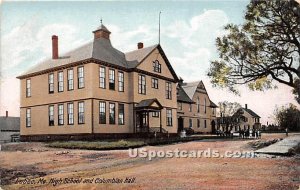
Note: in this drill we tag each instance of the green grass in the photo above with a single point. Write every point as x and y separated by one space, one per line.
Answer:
118 144
97 145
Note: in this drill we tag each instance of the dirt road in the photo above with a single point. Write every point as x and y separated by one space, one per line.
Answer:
116 170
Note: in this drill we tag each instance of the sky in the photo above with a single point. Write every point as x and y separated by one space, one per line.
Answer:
188 33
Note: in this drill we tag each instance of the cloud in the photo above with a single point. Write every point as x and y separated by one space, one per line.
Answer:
26 45
197 37
200 30
124 40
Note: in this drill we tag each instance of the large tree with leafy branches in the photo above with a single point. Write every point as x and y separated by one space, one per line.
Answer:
264 49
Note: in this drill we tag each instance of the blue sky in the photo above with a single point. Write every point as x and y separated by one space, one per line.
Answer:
188 32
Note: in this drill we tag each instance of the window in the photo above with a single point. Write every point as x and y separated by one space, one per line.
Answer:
168 90
112 109
102 112
80 73
70 79
102 77
60 81
154 83
51 83
205 123
213 111
70 113
121 114
121 81
198 123
156 66
111 79
60 114
204 105
198 104
28 88
80 112
142 84
51 115
169 117
155 114
190 123
28 117
179 105
190 108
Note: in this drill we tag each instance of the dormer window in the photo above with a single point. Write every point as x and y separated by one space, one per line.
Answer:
156 66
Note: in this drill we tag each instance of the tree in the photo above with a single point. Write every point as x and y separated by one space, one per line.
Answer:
288 117
265 48
228 108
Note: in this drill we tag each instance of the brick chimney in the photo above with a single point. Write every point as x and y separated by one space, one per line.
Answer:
6 113
246 106
140 45
54 47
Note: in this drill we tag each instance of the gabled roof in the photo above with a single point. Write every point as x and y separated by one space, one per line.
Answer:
252 113
137 56
9 123
212 104
182 96
190 88
148 104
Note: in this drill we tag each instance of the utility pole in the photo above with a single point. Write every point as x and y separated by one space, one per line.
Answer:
159 27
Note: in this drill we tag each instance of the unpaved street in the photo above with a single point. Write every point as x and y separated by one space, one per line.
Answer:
35 161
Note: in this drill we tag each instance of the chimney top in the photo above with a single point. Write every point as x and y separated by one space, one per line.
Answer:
54 47
246 106
140 45
6 113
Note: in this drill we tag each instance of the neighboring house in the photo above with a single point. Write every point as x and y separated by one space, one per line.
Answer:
243 119
98 91
246 119
195 109
9 128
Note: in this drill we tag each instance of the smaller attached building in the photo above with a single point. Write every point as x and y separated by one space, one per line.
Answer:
9 128
195 109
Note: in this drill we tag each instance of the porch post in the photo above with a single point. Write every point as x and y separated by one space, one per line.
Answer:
148 121
160 125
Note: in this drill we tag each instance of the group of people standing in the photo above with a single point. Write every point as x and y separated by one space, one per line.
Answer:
250 133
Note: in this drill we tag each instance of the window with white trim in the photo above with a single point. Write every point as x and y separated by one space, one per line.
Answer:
60 114
28 117
168 90
28 88
142 84
121 81
111 79
102 77
51 83
70 107
112 113
70 79
80 112
60 77
169 117
102 112
80 75
51 115
121 114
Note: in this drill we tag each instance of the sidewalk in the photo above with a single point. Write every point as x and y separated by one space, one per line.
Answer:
282 147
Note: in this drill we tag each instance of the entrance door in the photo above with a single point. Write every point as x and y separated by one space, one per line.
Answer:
180 124
213 126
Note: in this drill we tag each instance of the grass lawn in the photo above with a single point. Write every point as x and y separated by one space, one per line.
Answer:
98 145
117 144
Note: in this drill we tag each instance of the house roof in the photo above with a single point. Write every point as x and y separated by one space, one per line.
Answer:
99 49
9 123
212 104
190 88
182 96
252 113
147 104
